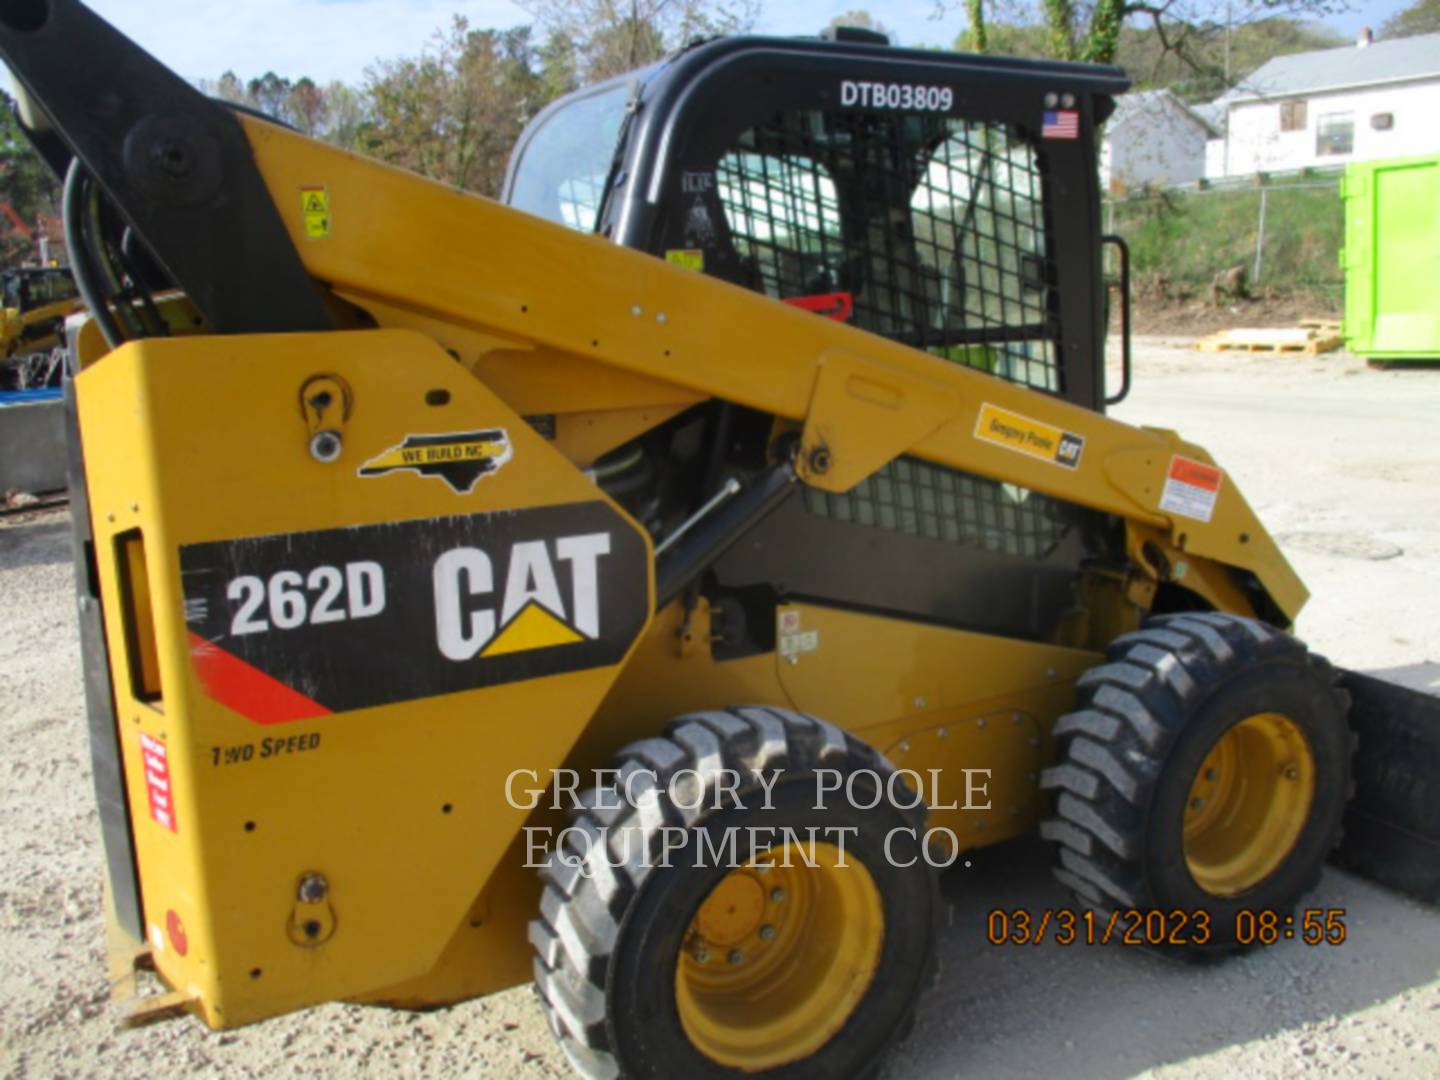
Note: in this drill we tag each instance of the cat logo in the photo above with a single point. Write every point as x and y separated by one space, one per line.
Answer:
459 459
532 612
299 625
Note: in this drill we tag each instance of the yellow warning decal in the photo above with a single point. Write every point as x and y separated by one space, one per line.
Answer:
687 258
1025 435
315 206
533 628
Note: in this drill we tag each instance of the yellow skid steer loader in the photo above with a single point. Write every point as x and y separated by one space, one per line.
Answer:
645 586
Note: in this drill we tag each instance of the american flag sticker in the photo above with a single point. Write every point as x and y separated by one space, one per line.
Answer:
1060 124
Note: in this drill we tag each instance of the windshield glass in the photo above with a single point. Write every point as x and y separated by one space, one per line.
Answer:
563 166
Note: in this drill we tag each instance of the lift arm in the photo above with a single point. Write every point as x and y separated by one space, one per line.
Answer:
555 322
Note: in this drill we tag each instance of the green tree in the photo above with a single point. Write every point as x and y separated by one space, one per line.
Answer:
1421 17
347 115
976 38
270 93
558 60
454 112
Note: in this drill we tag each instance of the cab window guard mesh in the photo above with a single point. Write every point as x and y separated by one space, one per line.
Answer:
919 499
935 226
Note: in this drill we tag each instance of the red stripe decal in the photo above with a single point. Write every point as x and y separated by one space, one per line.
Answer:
248 690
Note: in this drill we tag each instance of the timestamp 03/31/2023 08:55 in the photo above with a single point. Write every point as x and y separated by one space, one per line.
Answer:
1130 926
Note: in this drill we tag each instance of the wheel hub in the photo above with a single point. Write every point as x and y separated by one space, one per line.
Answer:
733 911
778 956
1248 804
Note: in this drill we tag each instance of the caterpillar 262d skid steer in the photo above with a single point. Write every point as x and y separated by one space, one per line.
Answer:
757 510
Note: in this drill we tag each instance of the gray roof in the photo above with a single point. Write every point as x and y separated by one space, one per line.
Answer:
1141 103
1350 65
1213 113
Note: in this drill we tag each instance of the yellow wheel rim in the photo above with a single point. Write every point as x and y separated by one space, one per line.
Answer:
1248 804
778 956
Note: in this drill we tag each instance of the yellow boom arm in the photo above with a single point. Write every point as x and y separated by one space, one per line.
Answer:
557 322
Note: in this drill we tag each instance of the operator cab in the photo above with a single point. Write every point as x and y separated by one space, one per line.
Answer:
947 201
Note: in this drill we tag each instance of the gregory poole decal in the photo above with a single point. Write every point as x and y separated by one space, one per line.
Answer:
460 459
300 625
1033 438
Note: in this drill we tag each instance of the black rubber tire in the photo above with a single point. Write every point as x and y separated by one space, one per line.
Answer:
606 942
1145 721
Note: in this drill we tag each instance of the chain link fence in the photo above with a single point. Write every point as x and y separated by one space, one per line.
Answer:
1263 239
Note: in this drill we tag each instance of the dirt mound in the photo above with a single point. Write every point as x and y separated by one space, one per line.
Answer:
1172 316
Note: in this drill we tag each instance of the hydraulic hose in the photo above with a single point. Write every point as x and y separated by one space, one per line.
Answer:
76 183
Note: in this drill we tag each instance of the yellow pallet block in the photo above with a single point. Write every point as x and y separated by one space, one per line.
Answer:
1302 340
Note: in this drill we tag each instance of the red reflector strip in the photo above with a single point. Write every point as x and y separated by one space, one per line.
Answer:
248 690
155 756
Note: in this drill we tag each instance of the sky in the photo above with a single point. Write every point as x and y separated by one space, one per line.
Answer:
338 39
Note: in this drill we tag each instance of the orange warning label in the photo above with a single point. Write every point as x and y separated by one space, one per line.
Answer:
1191 488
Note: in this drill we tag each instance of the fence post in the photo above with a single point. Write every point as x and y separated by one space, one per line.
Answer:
1259 240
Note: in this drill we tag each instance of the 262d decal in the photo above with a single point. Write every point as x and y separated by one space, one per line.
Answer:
301 625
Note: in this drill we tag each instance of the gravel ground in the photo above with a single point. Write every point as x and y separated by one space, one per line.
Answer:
1341 463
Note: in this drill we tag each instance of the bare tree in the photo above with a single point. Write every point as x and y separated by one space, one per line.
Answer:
1091 29
863 19
306 107
610 37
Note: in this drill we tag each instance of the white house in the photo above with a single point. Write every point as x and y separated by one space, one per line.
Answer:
1373 99
1153 138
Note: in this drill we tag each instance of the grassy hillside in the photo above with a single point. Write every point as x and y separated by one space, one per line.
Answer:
1180 241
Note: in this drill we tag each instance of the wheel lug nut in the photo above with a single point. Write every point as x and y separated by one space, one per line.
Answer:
1209 774
1292 773
1196 804
777 896
736 956
702 954
767 933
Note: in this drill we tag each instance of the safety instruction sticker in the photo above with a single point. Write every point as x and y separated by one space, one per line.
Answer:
460 458
315 206
156 758
687 258
1191 488
1028 436
794 641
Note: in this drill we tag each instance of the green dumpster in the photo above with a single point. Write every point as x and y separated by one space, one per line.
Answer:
1392 259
